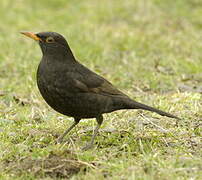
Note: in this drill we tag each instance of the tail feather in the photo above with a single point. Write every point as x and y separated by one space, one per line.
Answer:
136 105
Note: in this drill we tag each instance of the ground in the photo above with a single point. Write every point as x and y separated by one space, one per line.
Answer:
151 50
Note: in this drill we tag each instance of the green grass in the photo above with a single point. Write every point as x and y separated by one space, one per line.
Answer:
151 50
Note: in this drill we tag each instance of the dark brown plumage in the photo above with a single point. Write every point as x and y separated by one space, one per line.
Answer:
72 89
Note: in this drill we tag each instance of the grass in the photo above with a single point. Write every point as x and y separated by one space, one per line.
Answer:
151 50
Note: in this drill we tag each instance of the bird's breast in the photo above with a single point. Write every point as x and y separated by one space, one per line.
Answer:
49 83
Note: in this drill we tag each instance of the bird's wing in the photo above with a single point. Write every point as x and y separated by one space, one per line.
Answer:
106 88
96 85
86 81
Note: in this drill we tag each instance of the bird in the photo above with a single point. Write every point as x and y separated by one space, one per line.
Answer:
73 90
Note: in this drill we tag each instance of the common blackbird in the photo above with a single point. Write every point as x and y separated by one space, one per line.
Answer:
73 90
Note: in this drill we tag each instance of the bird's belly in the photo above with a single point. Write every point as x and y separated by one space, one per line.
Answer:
80 105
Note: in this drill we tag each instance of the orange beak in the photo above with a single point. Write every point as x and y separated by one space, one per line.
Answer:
31 35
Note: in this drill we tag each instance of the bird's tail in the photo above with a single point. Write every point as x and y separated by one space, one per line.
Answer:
136 105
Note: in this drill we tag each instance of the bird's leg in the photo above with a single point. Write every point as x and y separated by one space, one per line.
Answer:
76 121
99 120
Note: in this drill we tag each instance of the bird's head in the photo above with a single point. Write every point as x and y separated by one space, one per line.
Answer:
51 43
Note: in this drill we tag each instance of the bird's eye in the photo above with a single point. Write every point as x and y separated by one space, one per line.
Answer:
50 39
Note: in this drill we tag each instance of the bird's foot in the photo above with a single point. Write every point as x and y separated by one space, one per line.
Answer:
87 147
